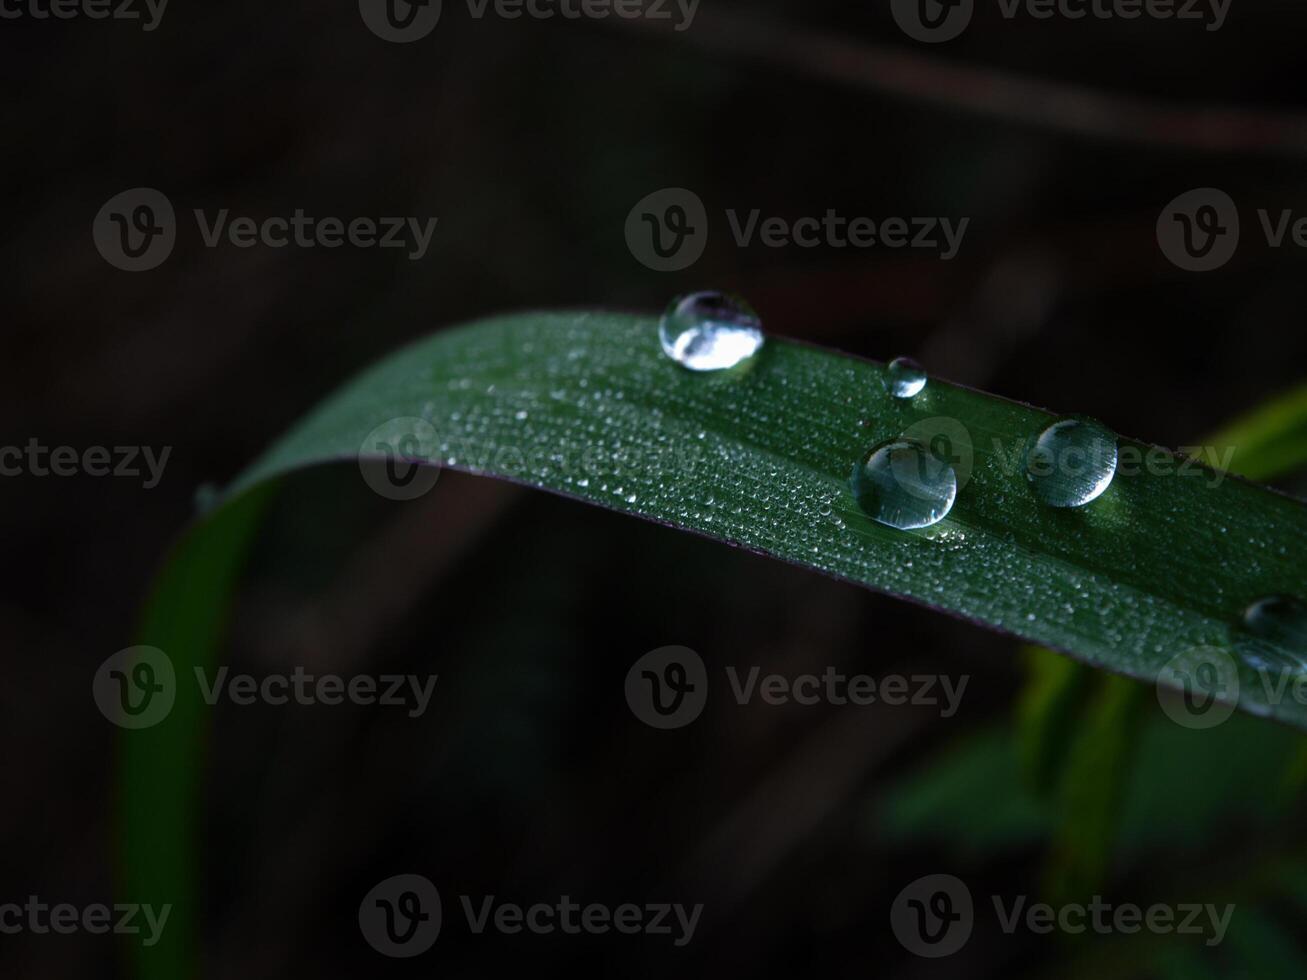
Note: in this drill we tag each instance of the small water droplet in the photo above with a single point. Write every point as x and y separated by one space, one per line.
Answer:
207 496
901 484
710 331
1278 628
906 377
1072 462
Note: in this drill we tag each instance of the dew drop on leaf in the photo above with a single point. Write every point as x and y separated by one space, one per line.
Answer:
901 484
1071 463
1277 633
906 378
206 498
710 331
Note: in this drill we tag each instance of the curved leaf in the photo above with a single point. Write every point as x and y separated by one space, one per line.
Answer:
587 405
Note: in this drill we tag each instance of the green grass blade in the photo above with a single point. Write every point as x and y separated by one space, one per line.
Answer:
161 767
1096 776
1048 715
587 405
1269 441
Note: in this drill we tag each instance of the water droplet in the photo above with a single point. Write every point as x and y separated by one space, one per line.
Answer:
906 377
1278 628
1071 463
901 484
207 496
710 331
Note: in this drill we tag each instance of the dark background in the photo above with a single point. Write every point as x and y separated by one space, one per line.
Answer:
531 141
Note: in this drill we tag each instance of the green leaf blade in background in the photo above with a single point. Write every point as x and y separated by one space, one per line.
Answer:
161 768
1270 440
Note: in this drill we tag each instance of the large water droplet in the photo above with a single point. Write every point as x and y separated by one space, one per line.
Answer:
901 484
1071 463
1278 633
710 331
905 377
